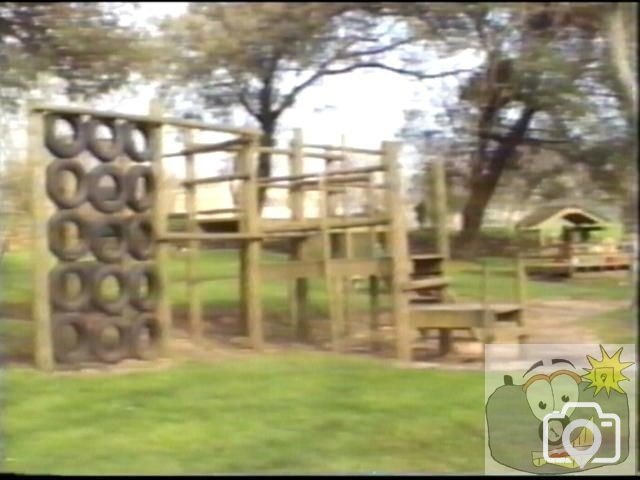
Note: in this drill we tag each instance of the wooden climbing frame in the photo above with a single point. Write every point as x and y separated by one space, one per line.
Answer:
378 180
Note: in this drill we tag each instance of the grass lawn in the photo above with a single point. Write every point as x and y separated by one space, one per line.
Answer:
303 413
616 326
224 294
296 412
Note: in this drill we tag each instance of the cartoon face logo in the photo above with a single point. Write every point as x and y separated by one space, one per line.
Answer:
558 421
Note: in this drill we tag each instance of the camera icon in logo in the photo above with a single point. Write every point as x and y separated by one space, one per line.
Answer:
557 429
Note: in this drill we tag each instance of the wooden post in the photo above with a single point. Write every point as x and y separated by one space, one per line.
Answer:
42 260
520 281
299 287
440 213
521 296
348 246
251 249
487 315
193 253
374 280
334 290
159 220
399 251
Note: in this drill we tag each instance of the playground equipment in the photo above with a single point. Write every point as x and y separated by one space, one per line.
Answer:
433 308
129 239
572 250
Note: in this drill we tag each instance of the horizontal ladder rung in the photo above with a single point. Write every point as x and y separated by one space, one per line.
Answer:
210 237
331 224
427 283
219 210
218 179
349 171
345 149
205 148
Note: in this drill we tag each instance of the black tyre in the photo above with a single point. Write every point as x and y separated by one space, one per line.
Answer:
105 150
140 203
105 199
135 153
55 187
58 147
140 237
138 276
113 351
58 286
145 337
76 349
107 304
108 240
56 236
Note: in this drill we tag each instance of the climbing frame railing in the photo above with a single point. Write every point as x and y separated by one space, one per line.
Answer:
336 263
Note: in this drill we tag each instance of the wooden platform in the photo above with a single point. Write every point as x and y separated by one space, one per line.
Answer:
460 315
566 269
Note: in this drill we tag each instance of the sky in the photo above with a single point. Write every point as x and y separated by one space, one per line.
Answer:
364 107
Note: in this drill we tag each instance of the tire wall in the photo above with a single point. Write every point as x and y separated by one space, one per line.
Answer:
104 281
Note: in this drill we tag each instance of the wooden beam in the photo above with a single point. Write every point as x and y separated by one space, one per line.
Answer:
159 221
426 283
399 251
193 252
440 211
216 179
487 314
251 250
218 210
299 288
153 118
206 148
334 290
345 149
356 170
317 225
43 260
207 237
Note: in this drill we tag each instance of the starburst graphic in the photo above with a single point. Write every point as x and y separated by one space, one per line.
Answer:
606 373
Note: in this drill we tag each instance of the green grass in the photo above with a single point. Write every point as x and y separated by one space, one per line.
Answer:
616 326
224 294
467 284
16 338
294 413
290 413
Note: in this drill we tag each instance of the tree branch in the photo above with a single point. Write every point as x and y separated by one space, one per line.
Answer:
244 101
525 140
376 51
289 99
402 71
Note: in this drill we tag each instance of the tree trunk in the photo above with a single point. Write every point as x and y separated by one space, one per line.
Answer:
264 160
622 53
486 173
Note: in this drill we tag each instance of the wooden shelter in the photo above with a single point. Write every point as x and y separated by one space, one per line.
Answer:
553 224
564 244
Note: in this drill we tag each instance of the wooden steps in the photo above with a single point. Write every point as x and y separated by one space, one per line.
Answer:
486 323
426 284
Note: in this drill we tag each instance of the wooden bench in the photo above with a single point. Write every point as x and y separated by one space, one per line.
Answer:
483 324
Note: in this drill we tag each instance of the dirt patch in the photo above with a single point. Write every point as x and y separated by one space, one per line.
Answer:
549 322
562 321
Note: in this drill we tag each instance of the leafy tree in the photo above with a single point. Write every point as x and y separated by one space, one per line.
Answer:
81 42
263 56
544 81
